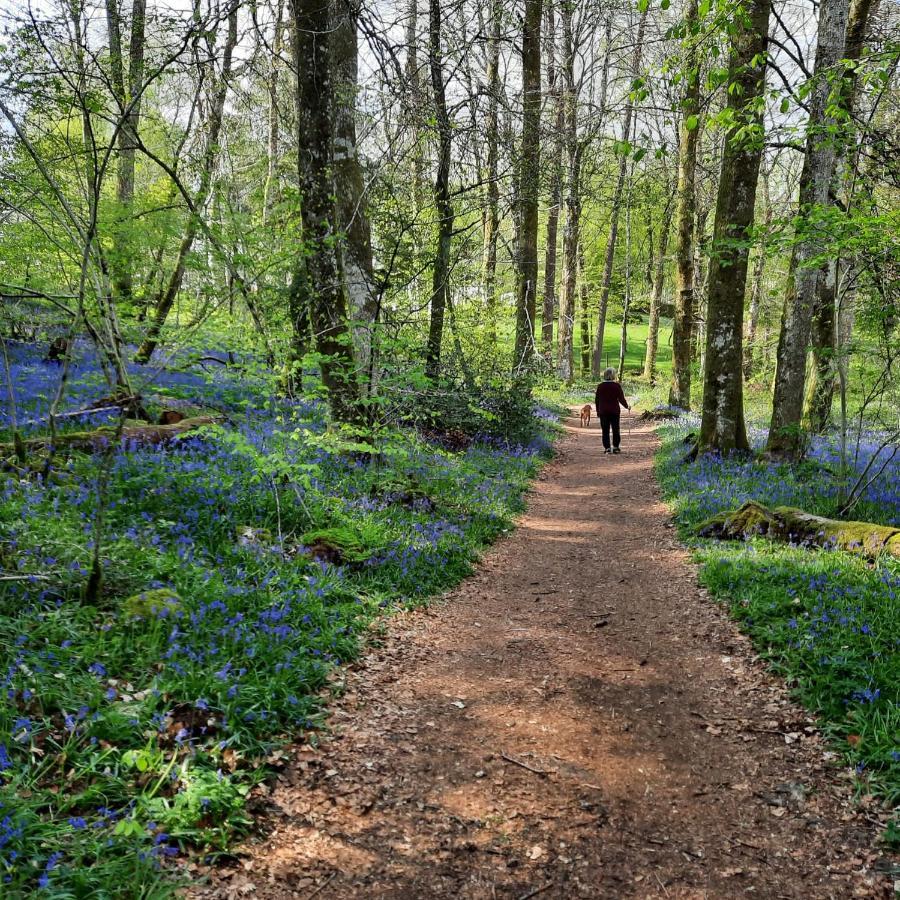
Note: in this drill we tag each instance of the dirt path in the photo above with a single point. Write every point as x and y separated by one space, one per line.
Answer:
577 720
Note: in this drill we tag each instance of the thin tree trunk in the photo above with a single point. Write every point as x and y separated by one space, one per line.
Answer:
558 105
584 296
320 274
609 260
565 330
656 298
492 207
270 189
626 305
756 285
683 324
529 185
441 270
785 436
128 98
348 176
722 426
166 300
824 332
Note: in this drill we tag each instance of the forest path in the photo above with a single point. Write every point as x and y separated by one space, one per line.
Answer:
576 719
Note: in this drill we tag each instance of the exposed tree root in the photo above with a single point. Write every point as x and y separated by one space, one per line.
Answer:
785 523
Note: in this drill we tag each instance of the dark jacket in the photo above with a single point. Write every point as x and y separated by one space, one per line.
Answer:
609 396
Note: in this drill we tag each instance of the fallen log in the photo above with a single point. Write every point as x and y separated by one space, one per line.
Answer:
143 433
785 523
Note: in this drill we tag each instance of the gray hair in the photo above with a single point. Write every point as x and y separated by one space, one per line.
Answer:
609 375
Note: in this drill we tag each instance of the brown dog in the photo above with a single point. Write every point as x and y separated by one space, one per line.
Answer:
586 415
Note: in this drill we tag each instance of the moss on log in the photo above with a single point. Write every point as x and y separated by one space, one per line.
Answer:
785 523
90 441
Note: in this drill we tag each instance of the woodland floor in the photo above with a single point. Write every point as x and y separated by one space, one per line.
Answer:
576 719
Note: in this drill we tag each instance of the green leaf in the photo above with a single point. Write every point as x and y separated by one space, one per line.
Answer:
665 4
704 8
691 122
785 105
643 5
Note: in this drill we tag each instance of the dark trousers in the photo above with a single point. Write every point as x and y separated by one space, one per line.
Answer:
607 421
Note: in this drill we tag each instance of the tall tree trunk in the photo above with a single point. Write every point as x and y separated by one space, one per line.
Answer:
659 277
440 283
825 337
529 185
270 189
350 185
722 426
756 285
785 436
585 319
683 324
609 260
166 299
556 150
568 104
128 98
320 274
626 304
492 133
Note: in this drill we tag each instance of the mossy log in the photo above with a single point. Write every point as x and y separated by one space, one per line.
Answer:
142 433
785 523
660 414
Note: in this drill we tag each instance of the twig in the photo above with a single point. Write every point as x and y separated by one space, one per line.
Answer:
323 885
517 762
537 890
23 577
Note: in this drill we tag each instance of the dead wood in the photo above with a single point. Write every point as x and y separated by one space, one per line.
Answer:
785 523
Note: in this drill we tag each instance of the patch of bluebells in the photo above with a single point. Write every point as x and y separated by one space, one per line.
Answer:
713 483
829 621
236 651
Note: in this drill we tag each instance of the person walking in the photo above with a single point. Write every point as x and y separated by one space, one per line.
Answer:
607 400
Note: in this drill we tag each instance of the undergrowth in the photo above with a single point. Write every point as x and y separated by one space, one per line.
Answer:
828 621
240 566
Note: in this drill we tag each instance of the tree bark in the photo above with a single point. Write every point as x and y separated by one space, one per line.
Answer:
555 163
128 98
756 284
492 206
529 185
320 274
352 216
585 320
656 298
683 324
785 435
722 426
609 260
441 269
825 336
566 328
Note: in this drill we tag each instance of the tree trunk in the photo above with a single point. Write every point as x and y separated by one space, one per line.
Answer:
128 98
584 296
320 273
609 261
683 324
441 272
166 299
785 436
270 189
756 284
568 104
350 185
722 425
825 337
656 298
626 304
529 185
492 207
556 145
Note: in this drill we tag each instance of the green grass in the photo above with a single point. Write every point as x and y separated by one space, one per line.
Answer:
827 621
